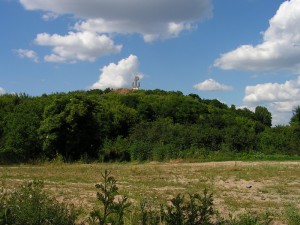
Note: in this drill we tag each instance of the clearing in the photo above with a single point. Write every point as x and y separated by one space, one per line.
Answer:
237 186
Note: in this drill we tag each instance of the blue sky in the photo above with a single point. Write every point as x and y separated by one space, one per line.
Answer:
241 52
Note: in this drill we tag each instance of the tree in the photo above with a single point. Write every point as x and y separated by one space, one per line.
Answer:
295 120
295 124
278 139
69 128
145 111
263 115
21 141
241 136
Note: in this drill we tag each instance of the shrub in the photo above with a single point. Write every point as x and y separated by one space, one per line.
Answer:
197 210
115 150
141 151
113 208
29 204
148 214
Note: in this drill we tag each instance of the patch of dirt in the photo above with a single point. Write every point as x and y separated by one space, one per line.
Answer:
123 91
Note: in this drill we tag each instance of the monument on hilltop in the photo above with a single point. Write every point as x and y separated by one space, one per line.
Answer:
136 84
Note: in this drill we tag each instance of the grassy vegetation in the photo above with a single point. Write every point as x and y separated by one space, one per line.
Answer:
238 187
30 204
220 156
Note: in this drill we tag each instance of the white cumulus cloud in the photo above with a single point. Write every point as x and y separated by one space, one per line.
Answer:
77 46
50 16
150 31
281 99
152 19
212 85
270 92
25 53
2 91
280 48
118 75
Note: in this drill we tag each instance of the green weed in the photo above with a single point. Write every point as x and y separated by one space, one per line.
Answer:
114 208
293 215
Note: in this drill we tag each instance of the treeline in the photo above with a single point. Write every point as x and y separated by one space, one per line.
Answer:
125 125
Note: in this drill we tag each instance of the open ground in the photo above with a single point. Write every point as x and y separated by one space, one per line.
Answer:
236 186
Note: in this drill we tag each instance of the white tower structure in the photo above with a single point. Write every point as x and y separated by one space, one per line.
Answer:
136 84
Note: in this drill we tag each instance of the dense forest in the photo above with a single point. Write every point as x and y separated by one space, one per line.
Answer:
127 125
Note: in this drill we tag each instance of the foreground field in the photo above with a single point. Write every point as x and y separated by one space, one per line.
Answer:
237 186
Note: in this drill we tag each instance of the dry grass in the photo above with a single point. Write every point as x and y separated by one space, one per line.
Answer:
274 185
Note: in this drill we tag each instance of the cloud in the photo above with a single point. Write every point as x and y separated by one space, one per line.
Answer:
280 48
212 85
281 99
270 92
152 19
25 53
150 31
155 10
118 75
77 46
2 91
50 16
98 21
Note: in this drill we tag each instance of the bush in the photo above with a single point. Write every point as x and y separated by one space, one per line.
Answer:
29 204
115 150
164 152
198 210
148 214
113 208
141 151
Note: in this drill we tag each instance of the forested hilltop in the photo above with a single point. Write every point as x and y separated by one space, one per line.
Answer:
126 125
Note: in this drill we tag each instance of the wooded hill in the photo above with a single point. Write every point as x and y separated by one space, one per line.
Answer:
125 125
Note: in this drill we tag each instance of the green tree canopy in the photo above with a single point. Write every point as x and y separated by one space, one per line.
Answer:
295 120
263 115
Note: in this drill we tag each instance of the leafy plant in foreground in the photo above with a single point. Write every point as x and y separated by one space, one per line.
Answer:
114 205
197 210
148 215
29 204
